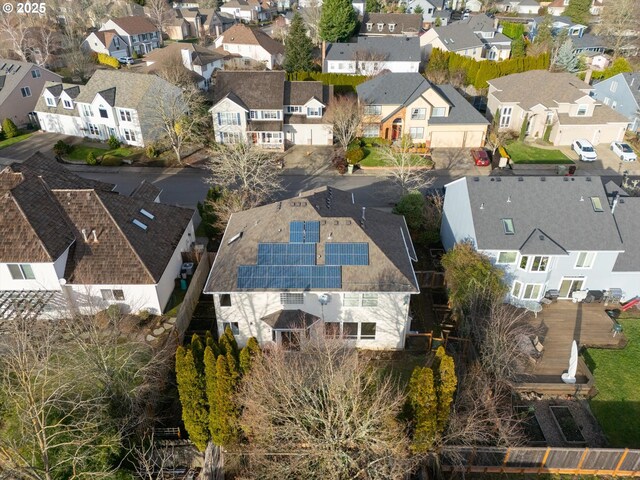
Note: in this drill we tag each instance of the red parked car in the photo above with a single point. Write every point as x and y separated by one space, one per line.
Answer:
480 157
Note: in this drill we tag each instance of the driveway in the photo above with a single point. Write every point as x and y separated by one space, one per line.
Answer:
38 142
456 162
607 163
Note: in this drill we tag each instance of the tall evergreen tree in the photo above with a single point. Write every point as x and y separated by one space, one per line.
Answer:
423 403
9 128
543 33
192 397
248 354
578 11
197 348
517 48
211 386
566 59
373 6
338 20
224 425
298 49
446 383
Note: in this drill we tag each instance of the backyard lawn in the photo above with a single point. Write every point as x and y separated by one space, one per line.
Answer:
617 405
523 153
80 153
11 141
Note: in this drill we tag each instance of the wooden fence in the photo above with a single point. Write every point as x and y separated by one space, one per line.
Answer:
554 460
185 312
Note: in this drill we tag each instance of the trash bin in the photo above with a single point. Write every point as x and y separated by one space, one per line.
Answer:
552 295
350 168
187 268
183 284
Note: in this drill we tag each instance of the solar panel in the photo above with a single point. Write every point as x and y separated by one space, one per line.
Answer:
296 232
346 253
286 254
312 232
288 277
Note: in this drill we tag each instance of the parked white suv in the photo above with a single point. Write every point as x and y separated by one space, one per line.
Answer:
585 150
624 151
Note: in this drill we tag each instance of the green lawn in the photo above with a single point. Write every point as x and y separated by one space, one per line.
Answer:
523 153
80 153
617 405
372 158
11 141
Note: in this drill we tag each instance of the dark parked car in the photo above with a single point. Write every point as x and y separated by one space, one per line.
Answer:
480 157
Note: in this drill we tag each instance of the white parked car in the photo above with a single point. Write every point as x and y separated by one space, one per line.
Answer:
585 150
624 151
126 60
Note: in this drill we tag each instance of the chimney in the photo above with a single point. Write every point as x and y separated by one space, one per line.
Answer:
84 235
362 220
587 76
324 52
186 58
615 202
95 236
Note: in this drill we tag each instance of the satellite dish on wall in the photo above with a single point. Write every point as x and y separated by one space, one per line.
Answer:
324 298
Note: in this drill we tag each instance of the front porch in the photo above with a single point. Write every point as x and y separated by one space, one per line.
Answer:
558 325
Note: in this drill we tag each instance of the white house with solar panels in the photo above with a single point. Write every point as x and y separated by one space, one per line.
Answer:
315 263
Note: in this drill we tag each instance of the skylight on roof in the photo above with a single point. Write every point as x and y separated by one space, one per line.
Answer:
597 204
139 224
147 214
507 224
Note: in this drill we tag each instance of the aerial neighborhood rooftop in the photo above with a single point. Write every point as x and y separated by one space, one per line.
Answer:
233 232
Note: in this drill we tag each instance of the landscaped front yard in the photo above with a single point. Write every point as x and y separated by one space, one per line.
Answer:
523 153
11 141
373 157
115 156
617 405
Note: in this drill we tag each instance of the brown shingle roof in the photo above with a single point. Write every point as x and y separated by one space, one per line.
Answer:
199 55
256 90
403 23
106 36
135 25
243 35
299 93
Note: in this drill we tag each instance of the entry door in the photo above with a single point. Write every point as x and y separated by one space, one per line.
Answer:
570 285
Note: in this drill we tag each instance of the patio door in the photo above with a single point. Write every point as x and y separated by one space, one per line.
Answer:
290 339
570 285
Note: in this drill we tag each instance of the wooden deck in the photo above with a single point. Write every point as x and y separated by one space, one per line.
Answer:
558 325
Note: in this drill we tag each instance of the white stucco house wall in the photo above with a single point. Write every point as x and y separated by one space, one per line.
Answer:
372 55
251 44
72 246
565 234
317 263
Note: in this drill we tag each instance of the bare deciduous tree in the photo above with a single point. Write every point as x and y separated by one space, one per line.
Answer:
78 61
16 31
369 62
159 11
619 24
311 15
323 412
346 115
405 166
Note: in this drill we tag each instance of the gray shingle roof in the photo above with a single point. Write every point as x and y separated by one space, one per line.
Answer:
390 269
288 319
12 73
56 89
588 40
559 207
628 222
633 80
461 111
391 49
392 89
404 23
458 36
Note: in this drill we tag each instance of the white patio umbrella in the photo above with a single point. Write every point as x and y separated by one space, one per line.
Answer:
570 376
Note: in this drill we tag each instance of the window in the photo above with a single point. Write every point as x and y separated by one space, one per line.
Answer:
233 326
582 110
294 109
86 109
228 118
416 132
507 224
505 117
549 118
93 129
108 294
369 299
270 115
392 27
129 135
350 330
50 101
351 300
125 115
614 86
606 101
380 26
539 264
225 300
372 109
67 104
517 288
26 91
585 259
596 203
229 137
292 298
523 262
532 291
507 258
103 112
418 113
35 73
439 112
314 112
21 271
367 331
371 130
369 26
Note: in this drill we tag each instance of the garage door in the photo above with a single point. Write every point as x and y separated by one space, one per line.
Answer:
447 139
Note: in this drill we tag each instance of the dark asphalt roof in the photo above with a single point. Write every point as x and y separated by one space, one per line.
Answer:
392 49
461 111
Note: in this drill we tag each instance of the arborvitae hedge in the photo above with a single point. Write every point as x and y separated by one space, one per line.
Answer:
341 83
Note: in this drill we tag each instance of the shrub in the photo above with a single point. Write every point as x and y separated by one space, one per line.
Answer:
113 311
91 159
113 142
152 151
208 214
108 60
355 155
111 161
61 148
144 315
9 128
339 162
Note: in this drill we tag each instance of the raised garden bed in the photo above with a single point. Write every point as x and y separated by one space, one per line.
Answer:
531 426
567 425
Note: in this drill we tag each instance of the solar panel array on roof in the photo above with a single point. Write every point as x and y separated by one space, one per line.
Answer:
289 277
296 232
304 232
286 254
346 253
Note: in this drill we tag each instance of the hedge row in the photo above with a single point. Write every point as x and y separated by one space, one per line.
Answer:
341 83
478 72
108 60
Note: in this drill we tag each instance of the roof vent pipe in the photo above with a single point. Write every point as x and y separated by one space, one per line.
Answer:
363 210
95 236
509 199
616 197
84 235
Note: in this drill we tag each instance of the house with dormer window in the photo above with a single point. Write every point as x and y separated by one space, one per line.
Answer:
139 33
397 104
293 113
112 103
390 24
565 234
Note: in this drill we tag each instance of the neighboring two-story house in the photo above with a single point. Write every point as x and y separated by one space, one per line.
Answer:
249 10
396 104
253 45
622 93
125 105
557 7
556 106
72 246
476 37
312 264
548 233
139 33
107 42
290 113
390 24
20 85
583 42
197 23
521 7
433 11
372 55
